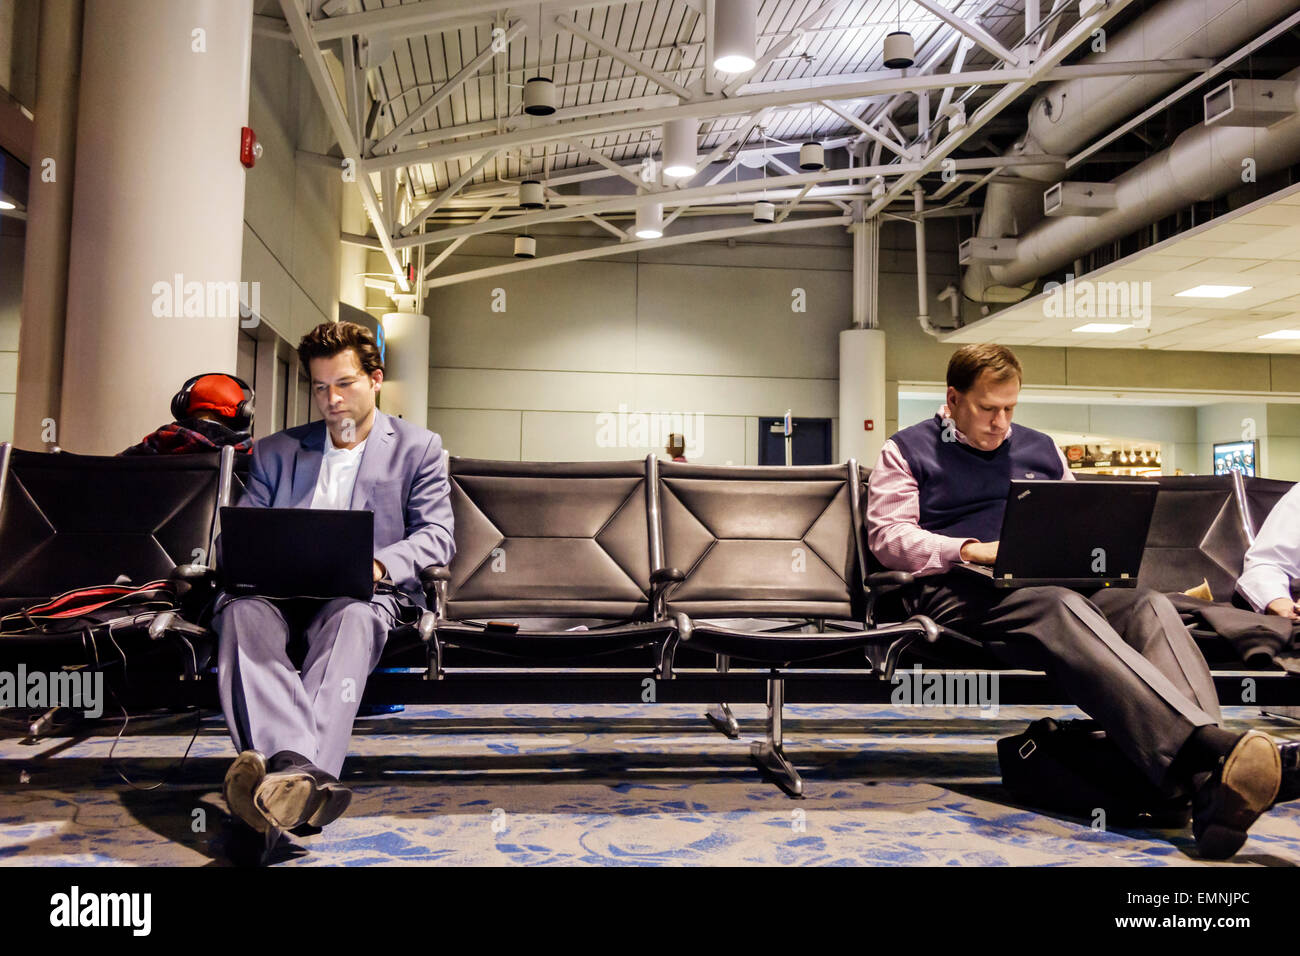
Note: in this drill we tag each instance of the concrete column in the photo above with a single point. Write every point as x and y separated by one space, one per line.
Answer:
862 394
158 209
49 216
352 259
406 366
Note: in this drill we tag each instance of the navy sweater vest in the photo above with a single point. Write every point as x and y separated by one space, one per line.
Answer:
963 489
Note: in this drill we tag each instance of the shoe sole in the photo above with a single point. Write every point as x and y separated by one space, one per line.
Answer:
1252 775
335 801
242 780
288 799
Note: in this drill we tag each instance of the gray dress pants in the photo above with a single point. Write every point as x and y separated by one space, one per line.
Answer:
269 705
1123 656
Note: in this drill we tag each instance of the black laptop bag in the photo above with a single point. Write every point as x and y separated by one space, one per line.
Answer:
1072 767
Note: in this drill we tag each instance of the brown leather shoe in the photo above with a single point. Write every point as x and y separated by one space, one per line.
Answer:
1242 788
302 795
242 780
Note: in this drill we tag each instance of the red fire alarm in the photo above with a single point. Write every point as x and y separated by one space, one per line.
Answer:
248 147
868 425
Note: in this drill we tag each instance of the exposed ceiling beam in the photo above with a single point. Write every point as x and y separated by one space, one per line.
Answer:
452 246
687 197
887 81
427 16
870 131
318 73
524 121
605 161
868 85
429 105
449 192
620 248
789 207
970 29
627 59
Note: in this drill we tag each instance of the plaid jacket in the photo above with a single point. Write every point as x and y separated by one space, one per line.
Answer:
190 436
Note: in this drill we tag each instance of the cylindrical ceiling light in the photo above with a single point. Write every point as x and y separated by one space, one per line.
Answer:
812 157
530 194
539 96
735 35
764 211
525 247
900 50
679 147
650 221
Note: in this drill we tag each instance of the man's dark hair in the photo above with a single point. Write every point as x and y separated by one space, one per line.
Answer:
330 338
969 361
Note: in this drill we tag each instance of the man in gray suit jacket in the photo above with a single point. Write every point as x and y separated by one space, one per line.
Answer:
292 728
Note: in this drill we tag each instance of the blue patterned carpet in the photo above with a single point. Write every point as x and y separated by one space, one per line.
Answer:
596 785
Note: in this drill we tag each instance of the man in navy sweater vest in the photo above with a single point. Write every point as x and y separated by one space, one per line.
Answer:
936 498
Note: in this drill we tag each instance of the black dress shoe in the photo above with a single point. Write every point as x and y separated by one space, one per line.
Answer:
1242 787
1290 789
301 794
242 780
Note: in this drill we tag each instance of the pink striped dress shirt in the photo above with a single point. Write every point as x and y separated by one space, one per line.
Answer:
894 533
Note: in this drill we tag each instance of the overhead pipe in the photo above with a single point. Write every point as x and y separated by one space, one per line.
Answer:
1070 113
1203 162
922 274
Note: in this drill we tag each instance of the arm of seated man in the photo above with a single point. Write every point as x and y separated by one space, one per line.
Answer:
1273 560
428 516
980 552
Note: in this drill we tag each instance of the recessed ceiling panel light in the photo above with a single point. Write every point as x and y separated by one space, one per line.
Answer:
1212 291
1102 327
1281 334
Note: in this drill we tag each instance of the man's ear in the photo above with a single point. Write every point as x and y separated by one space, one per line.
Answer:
950 398
377 376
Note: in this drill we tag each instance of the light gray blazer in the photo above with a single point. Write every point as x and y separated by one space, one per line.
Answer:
401 479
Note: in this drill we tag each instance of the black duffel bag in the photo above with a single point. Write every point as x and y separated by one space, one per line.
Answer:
1072 767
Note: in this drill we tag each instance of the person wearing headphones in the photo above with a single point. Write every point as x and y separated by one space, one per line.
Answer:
210 412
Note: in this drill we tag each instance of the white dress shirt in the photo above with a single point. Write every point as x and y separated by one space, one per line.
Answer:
1274 559
338 476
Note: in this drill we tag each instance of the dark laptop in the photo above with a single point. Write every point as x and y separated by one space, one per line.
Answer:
298 552
1076 534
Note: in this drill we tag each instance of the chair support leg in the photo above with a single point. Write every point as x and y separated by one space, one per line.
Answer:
720 715
769 754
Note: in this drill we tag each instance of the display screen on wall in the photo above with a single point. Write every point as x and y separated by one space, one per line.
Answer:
1235 456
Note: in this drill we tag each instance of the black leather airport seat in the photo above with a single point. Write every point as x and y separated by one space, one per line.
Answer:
545 540
770 543
1201 529
77 521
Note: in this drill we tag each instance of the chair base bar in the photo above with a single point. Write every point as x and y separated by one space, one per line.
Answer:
723 720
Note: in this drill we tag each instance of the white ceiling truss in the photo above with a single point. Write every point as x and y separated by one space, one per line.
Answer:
425 99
